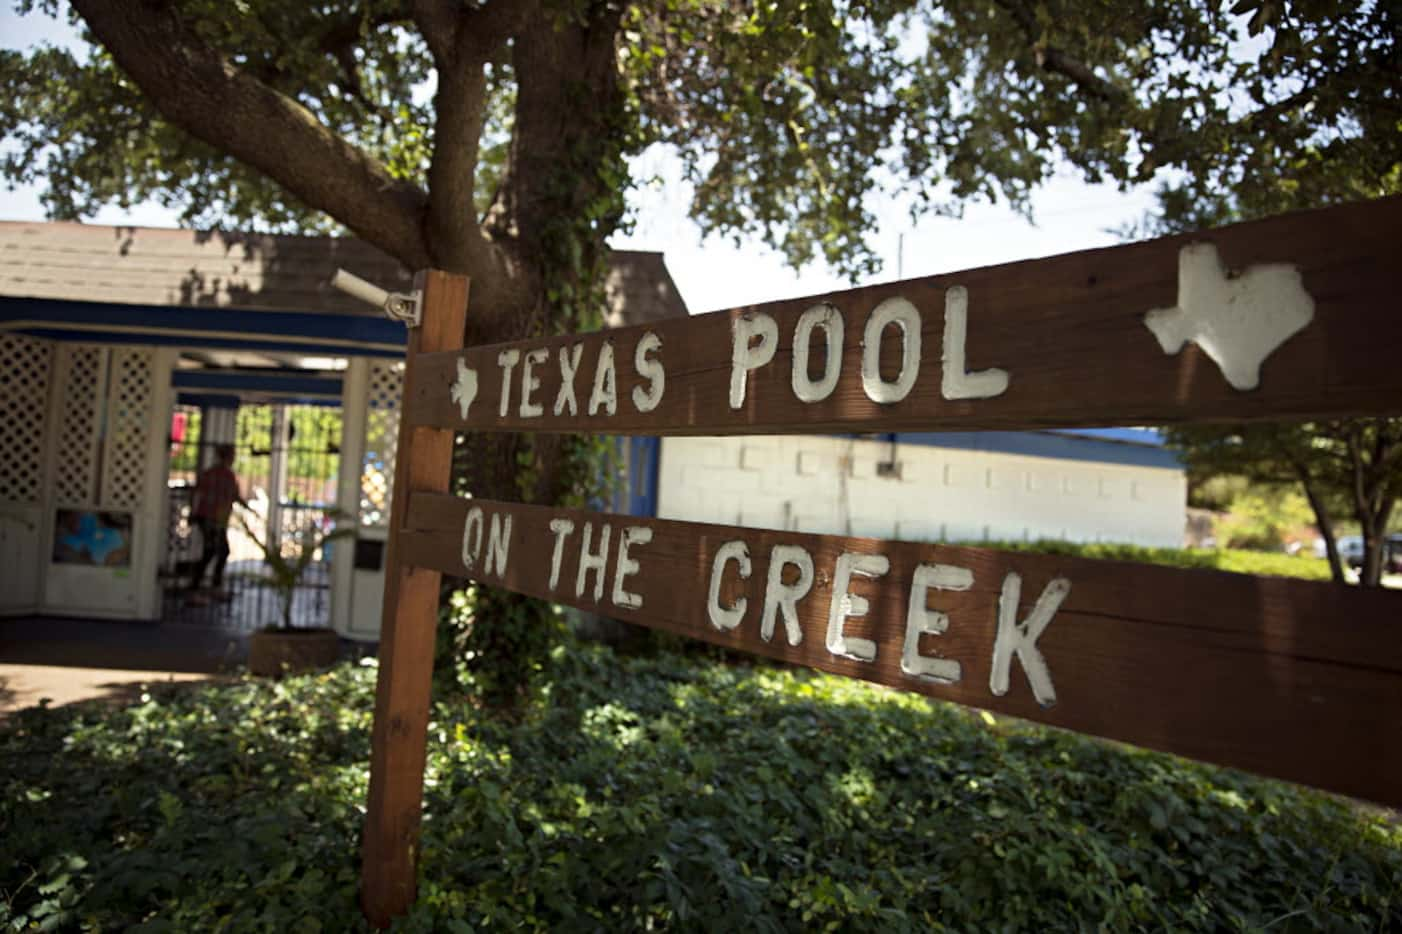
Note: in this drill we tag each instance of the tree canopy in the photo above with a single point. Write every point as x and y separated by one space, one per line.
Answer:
453 133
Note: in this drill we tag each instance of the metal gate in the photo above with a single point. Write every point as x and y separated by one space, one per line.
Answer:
286 459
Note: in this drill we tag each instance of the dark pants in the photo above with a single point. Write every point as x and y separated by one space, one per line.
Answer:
216 549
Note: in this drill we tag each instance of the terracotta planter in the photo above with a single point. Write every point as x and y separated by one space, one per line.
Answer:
274 652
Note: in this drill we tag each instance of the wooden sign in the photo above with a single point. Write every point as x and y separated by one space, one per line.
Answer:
1292 679
1294 316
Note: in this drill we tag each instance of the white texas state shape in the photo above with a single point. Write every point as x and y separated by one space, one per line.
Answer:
1238 322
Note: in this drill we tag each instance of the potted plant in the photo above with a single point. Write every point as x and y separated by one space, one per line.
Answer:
283 646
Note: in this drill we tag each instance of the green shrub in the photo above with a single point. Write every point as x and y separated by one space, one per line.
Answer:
661 792
1263 518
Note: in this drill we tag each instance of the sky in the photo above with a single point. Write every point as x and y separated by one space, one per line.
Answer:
713 273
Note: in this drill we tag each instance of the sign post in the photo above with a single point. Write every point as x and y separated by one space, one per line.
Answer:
422 464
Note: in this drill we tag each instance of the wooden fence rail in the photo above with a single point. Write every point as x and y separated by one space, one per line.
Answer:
1291 317
1301 312
1295 679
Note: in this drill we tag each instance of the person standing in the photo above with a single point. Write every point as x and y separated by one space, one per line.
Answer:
216 492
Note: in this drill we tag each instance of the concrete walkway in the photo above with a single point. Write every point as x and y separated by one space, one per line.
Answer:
70 660
26 685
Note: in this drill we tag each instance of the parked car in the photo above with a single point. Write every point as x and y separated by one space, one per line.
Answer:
1351 552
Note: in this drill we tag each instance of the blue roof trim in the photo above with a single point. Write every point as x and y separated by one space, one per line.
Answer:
212 343
201 325
1124 435
218 401
272 381
207 400
1061 445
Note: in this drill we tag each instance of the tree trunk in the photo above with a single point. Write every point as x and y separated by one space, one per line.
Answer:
562 160
1374 524
1325 522
1372 502
1371 573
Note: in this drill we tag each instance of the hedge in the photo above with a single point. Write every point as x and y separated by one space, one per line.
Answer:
668 792
1236 560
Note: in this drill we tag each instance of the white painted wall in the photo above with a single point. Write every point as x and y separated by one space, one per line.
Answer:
19 558
131 592
353 387
369 393
830 485
24 427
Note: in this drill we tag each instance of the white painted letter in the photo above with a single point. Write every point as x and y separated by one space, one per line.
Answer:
721 617
498 545
650 369
569 365
779 596
846 604
901 313
472 537
530 382
562 528
597 562
746 354
624 566
507 360
1021 640
954 382
605 394
920 619
829 319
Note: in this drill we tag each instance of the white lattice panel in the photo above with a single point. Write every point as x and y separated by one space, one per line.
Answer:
381 440
84 373
128 428
25 364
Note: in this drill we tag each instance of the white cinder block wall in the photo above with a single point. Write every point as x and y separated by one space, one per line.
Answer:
831 485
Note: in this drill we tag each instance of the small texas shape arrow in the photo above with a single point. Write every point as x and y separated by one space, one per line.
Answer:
465 389
1237 322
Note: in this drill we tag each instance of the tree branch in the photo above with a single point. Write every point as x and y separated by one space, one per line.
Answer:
438 22
567 90
463 40
1050 58
460 104
1322 517
1054 60
198 90
338 42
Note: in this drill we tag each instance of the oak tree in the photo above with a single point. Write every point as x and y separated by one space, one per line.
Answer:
490 137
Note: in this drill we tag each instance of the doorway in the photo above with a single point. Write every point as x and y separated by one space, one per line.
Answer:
286 459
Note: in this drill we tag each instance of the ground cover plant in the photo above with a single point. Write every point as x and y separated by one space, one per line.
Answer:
680 792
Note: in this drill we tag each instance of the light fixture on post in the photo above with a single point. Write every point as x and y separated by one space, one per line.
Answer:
399 306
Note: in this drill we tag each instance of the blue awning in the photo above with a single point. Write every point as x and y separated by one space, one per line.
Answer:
209 328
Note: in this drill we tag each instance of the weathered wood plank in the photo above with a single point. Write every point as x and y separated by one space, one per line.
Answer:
423 463
1292 679
1069 333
